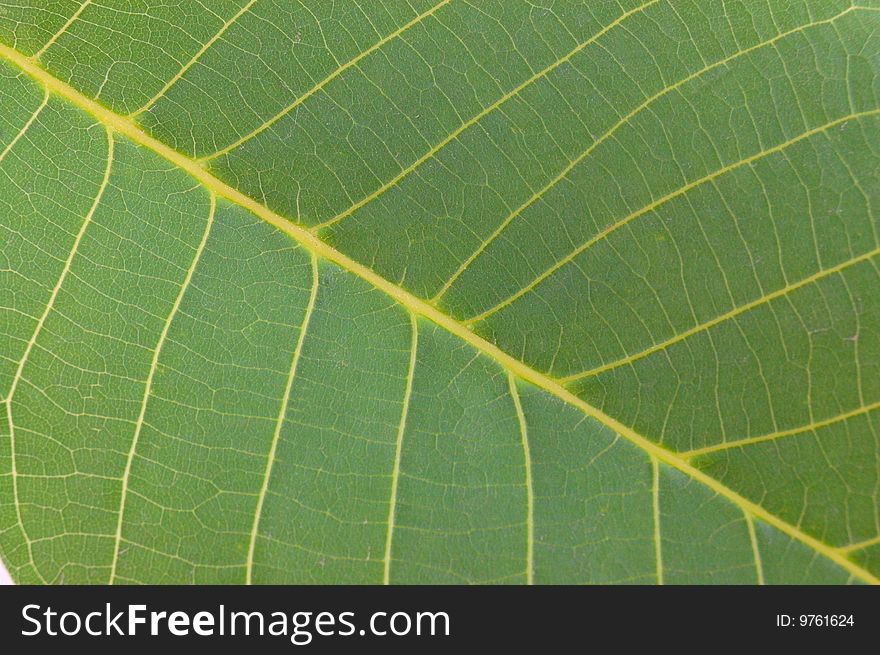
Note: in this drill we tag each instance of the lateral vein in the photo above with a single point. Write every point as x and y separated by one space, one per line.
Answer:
859 545
171 82
148 386
476 118
773 436
398 449
721 318
608 134
655 504
63 29
530 493
320 85
279 422
25 127
16 378
662 201
756 552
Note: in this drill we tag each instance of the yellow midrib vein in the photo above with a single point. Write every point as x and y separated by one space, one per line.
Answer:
416 305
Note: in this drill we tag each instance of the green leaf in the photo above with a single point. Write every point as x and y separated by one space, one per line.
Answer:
415 292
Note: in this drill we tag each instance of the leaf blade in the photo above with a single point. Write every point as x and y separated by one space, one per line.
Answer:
485 531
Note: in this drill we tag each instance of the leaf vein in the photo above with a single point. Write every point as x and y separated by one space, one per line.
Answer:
774 436
320 85
18 376
420 307
609 133
279 423
63 29
721 318
398 449
530 493
662 201
171 82
148 386
475 119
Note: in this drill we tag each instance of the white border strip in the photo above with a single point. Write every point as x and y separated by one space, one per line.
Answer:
5 578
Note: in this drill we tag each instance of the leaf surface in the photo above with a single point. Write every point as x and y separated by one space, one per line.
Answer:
440 292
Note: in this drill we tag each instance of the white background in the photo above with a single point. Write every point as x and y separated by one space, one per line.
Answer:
4 576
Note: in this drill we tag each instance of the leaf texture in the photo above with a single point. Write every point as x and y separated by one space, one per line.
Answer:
440 292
